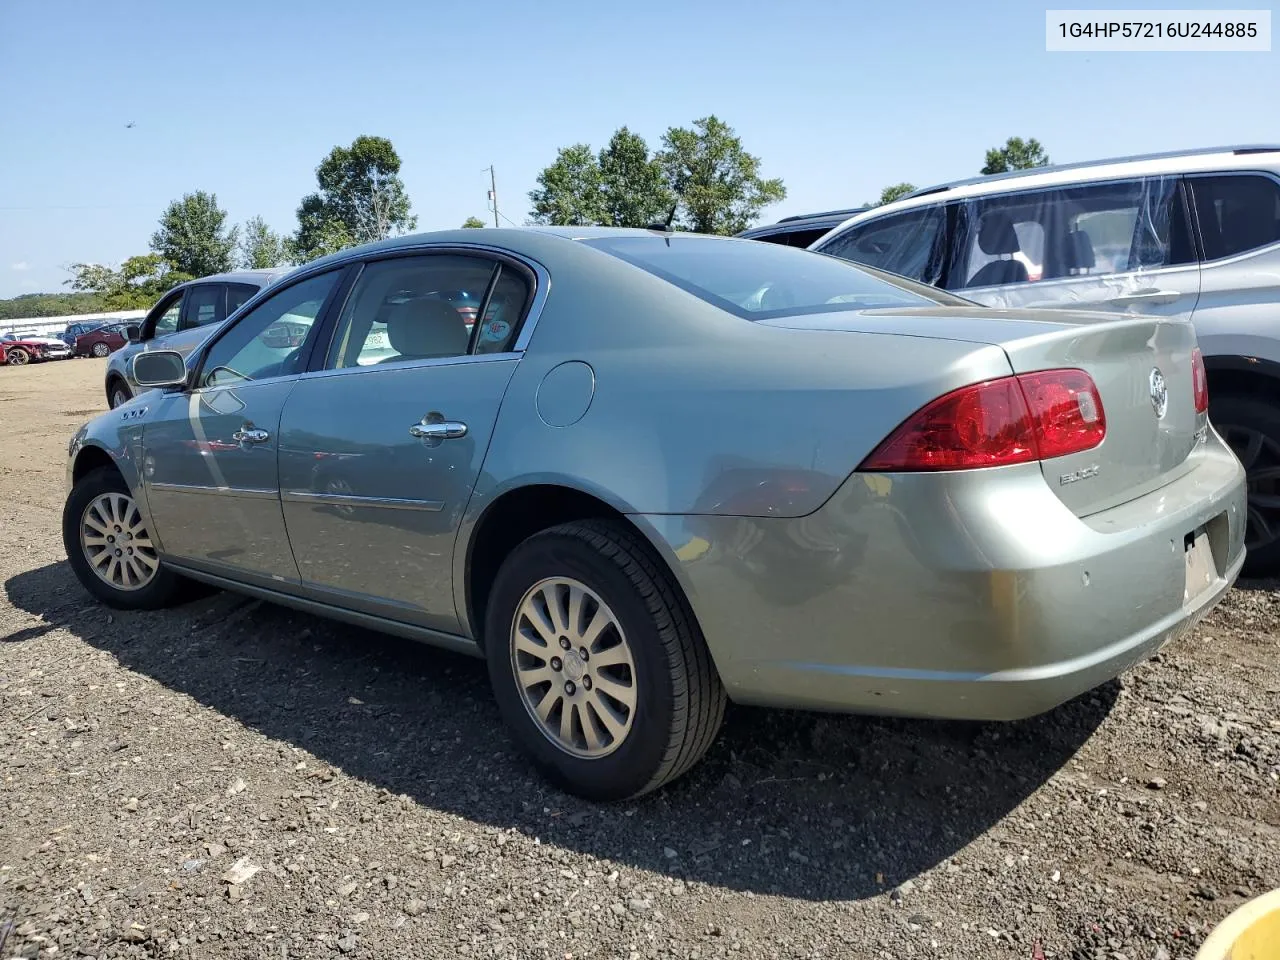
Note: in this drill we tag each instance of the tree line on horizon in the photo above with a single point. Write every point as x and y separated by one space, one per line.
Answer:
701 179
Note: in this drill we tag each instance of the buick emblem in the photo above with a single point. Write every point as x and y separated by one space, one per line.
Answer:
1159 392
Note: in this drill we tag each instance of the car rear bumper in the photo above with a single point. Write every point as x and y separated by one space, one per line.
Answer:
974 595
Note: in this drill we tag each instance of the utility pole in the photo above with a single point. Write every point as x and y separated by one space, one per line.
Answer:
493 194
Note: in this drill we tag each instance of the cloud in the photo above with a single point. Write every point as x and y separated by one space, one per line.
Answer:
20 266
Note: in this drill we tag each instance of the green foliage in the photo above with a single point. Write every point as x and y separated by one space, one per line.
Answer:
890 194
260 246
569 191
473 223
50 305
717 181
135 285
1015 155
193 235
633 187
360 199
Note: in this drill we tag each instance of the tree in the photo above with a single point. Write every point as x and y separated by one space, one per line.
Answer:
260 246
193 235
28 305
716 181
890 194
1015 155
633 186
569 191
137 284
473 222
361 198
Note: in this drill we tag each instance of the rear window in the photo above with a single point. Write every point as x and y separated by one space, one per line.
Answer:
757 281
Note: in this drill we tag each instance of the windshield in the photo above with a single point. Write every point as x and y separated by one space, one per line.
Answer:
758 281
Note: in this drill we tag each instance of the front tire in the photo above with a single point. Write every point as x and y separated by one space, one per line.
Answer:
17 357
99 349
632 700
117 394
1251 428
109 547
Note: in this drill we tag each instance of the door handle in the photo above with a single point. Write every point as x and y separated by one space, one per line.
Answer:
434 427
1147 296
250 434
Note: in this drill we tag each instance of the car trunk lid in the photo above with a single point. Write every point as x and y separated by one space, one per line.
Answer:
1142 367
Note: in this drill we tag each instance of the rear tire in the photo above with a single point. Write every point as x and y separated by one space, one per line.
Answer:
99 498
677 700
1251 427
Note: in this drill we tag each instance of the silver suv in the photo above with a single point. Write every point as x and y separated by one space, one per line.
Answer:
182 320
1192 234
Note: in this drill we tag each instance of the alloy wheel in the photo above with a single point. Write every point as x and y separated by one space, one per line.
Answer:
574 667
100 350
116 543
16 358
1259 454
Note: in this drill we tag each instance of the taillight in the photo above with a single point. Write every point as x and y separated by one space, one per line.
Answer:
1032 416
1199 381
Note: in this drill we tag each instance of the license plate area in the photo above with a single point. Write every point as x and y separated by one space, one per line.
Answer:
1201 567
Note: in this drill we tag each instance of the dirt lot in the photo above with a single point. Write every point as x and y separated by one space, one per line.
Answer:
151 763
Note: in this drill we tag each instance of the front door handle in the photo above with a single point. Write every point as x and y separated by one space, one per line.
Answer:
1148 296
250 434
434 427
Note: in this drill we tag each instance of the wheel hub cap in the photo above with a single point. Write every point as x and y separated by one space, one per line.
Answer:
116 543
574 667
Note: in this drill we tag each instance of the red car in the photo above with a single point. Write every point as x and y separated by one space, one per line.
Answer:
19 349
102 341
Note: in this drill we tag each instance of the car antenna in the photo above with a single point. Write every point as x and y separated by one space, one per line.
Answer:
665 226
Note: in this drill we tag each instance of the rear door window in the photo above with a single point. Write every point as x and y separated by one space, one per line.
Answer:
1237 213
909 244
1092 230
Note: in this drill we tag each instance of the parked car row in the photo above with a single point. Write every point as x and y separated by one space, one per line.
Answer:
642 473
1190 235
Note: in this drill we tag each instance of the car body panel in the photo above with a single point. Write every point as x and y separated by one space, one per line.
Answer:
217 499
733 446
352 475
978 596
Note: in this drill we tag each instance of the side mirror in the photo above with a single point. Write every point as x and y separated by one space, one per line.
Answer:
133 332
160 368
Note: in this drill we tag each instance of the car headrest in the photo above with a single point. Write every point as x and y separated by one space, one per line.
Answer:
1079 253
427 328
996 234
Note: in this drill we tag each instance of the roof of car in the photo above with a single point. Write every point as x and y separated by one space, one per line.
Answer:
1171 163
257 277
1238 151
803 221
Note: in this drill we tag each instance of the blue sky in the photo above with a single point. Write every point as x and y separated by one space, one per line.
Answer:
838 98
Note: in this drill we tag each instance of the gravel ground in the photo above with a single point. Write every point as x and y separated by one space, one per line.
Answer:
231 779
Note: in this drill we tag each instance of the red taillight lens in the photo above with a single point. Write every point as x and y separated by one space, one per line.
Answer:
1199 381
1034 416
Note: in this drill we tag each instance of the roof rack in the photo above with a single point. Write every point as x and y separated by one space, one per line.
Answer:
1242 150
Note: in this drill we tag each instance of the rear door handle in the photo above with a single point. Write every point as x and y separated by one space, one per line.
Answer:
250 434
433 427
1147 296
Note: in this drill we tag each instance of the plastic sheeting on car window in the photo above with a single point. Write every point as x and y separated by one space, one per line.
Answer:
1092 245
